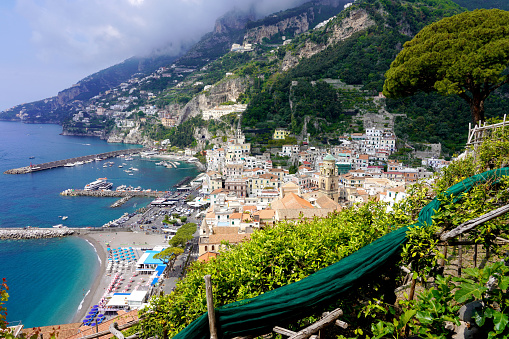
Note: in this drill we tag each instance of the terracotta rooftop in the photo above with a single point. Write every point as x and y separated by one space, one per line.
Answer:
205 257
236 216
122 319
225 230
290 201
231 238
266 214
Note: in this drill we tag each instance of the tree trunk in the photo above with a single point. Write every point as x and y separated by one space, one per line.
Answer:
476 104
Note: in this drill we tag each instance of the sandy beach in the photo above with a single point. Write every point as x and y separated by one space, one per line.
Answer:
114 239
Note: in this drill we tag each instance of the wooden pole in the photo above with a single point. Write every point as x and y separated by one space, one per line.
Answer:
442 260
468 225
327 320
114 330
475 255
460 259
210 307
412 290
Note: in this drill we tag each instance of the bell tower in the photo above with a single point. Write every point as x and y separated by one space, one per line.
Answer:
329 179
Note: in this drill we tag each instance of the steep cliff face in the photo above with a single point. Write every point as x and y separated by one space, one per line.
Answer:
135 136
232 21
356 21
226 90
67 95
296 25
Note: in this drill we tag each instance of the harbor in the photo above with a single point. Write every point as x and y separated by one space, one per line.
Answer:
74 161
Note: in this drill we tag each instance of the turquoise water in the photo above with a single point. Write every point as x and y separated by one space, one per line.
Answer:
47 278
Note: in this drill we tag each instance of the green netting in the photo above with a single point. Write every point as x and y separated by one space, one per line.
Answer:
260 314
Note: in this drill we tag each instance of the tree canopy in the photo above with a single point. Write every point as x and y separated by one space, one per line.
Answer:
466 54
169 254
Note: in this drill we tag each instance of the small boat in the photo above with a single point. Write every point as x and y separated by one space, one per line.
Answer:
120 166
32 157
65 217
59 226
69 164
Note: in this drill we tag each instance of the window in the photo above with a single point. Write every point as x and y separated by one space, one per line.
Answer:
212 247
205 248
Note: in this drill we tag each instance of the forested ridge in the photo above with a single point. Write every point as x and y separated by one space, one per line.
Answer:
363 60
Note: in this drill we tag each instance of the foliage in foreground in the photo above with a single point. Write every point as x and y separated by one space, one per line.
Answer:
273 257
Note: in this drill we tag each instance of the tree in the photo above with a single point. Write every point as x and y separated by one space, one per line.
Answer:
169 255
466 54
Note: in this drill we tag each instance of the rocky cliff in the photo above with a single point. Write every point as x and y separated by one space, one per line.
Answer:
225 90
296 25
134 136
355 21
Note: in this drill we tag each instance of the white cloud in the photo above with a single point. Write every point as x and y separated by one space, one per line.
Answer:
102 32
54 43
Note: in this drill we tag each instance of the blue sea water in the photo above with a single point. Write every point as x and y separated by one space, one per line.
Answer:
48 278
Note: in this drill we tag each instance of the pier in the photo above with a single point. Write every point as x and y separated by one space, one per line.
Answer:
61 163
116 194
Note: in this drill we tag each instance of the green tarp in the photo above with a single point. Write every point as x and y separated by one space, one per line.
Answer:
260 314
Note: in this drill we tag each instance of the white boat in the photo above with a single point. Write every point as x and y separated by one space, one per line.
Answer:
128 158
94 185
79 163
59 226
65 217
69 164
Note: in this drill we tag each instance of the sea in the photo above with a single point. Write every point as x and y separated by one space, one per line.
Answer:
49 278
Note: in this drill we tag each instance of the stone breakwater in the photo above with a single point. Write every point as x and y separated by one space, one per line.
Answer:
35 233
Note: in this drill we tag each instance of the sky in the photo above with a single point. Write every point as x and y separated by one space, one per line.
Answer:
49 45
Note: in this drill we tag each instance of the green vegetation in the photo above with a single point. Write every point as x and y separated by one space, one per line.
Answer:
287 105
181 136
473 4
169 255
183 235
360 60
465 54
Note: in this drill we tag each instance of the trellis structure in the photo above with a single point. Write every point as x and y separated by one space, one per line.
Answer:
478 133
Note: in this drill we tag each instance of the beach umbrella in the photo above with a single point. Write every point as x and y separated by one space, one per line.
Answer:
89 316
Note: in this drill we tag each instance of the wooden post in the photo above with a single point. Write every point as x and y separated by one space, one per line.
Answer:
460 258
114 330
210 307
475 255
442 260
412 290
